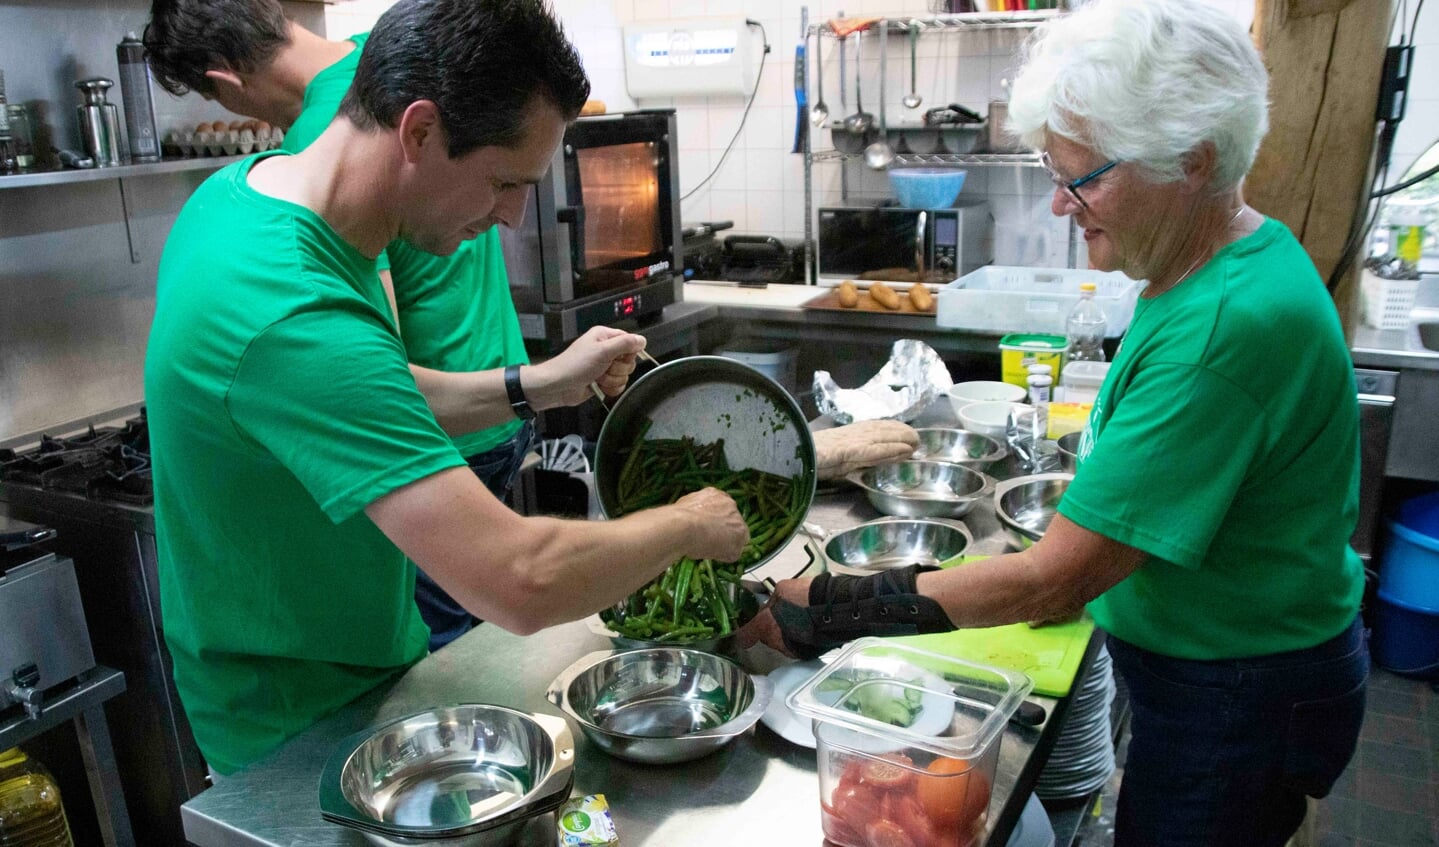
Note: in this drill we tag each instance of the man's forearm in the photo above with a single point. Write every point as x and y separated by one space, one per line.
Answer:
465 402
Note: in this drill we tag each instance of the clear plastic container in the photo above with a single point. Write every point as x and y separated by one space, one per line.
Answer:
1085 327
31 814
907 742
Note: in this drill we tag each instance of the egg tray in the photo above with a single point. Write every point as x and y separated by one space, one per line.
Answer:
225 143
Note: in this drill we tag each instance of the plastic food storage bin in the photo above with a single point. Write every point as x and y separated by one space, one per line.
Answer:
1008 299
907 743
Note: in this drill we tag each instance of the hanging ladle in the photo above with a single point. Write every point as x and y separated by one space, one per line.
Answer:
879 154
861 121
820 113
912 99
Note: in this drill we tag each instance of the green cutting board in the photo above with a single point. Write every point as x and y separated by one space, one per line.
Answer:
1050 655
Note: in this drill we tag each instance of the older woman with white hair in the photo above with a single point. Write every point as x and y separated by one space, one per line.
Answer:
1207 527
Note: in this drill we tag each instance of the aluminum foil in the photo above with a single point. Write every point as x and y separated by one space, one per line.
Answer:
912 378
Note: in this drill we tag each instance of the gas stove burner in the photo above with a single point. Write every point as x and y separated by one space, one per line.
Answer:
105 463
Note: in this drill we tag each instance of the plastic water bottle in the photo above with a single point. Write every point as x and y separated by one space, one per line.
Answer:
1085 327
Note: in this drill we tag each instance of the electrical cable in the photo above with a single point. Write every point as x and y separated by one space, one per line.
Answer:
1408 183
1363 217
743 117
1414 25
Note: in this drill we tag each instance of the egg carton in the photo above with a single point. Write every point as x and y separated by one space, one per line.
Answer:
230 142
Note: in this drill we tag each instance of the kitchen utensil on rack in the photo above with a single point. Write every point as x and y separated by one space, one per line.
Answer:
879 154
819 113
912 99
800 97
861 121
99 122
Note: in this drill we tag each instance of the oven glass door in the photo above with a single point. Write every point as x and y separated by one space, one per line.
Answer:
618 188
876 243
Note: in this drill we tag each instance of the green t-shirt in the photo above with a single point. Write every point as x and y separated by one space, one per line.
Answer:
455 311
280 406
1225 443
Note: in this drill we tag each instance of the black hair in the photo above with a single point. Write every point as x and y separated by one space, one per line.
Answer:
185 38
482 62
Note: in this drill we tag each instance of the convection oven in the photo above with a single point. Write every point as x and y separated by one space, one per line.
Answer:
602 242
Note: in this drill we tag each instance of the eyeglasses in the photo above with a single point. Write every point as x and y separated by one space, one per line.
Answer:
1071 188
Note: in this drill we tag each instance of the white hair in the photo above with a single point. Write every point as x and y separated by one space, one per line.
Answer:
1146 81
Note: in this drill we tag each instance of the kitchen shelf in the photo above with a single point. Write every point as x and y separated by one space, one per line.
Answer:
62 177
970 159
959 21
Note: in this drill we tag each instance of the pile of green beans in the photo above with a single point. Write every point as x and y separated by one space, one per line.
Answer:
690 601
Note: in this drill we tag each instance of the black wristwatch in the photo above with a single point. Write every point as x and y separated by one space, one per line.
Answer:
522 407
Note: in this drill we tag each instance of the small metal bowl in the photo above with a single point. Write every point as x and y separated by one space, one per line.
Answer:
1025 505
662 705
960 447
450 776
923 488
1069 451
895 543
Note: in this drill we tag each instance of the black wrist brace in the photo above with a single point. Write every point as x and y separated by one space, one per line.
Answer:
842 608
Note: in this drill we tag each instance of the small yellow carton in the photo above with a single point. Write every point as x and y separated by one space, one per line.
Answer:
586 822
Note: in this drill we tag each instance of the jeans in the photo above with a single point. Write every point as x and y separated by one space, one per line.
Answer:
497 468
1223 753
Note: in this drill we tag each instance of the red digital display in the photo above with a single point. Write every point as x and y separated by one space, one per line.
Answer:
627 305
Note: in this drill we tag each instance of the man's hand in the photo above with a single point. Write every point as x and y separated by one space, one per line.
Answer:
763 628
720 530
845 449
604 356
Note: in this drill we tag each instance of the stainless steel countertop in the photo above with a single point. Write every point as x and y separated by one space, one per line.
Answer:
1397 349
759 790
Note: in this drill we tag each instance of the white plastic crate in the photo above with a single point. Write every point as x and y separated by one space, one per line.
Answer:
1387 302
1005 299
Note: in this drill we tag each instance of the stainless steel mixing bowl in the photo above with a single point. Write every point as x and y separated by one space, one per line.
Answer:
1026 504
661 705
1069 451
894 543
959 446
455 775
923 488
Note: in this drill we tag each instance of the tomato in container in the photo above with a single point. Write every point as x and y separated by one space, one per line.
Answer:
907 744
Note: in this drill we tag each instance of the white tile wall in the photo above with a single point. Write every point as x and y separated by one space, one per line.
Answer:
760 186
1420 128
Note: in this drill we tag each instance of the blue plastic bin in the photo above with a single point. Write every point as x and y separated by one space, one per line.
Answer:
1409 571
1406 638
926 188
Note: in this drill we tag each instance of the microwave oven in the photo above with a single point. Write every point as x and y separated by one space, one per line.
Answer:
885 242
602 244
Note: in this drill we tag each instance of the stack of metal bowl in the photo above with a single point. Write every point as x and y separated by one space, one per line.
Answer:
1069 451
921 488
1025 505
661 705
457 775
960 447
895 543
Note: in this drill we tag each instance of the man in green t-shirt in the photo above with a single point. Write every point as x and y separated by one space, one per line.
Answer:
300 464
455 313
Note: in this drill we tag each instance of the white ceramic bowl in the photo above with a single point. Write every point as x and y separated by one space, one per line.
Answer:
988 418
980 391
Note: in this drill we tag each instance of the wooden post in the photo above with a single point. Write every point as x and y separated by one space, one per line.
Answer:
1324 59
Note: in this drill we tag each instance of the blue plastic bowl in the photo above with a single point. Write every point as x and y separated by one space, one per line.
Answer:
926 188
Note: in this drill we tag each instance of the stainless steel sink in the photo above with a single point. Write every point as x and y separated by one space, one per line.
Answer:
1429 334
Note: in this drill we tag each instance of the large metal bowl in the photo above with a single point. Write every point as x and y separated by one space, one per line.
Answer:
661 705
709 398
1025 505
894 543
456 775
1069 451
923 488
960 447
